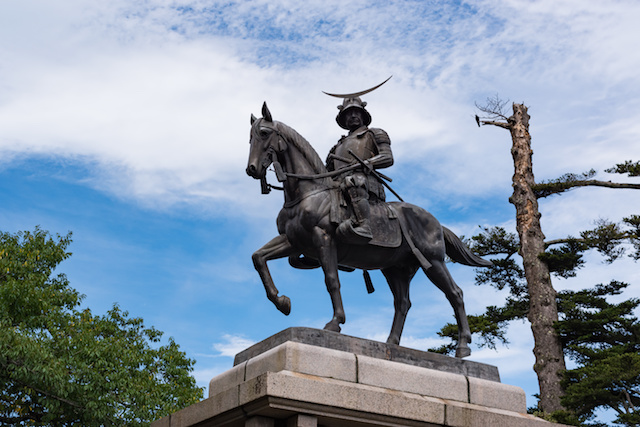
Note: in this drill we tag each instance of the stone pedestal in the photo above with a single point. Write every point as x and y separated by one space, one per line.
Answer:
306 377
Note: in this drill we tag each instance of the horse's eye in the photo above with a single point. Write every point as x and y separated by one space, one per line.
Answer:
265 132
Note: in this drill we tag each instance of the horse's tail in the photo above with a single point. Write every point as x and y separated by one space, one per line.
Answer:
459 252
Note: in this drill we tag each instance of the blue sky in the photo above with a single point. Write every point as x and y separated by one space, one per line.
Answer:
127 123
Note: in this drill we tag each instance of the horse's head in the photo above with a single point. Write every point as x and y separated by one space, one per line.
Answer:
266 143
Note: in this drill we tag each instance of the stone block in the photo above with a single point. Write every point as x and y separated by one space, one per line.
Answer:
461 414
375 349
497 395
163 422
341 395
204 409
413 379
304 359
322 378
227 380
259 422
302 421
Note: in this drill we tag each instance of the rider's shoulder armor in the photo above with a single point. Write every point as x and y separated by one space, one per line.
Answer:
380 136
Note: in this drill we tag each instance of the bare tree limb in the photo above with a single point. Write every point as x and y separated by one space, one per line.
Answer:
493 123
494 108
494 113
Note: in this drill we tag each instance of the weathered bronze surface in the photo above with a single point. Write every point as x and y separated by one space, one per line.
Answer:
335 217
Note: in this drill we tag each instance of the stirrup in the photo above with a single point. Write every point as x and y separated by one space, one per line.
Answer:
360 235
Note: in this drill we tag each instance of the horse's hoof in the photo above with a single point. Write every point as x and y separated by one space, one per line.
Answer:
463 352
394 341
284 305
332 326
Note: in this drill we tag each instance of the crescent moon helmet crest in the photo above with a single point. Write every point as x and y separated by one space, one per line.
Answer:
356 94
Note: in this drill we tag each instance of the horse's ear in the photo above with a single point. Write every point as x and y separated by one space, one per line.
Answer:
253 119
266 114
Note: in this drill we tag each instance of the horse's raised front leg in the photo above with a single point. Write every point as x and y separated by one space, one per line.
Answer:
440 276
279 247
328 258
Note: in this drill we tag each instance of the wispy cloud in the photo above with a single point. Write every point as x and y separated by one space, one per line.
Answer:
158 94
149 103
232 345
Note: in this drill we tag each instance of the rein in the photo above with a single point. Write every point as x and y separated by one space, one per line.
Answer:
282 175
325 174
297 200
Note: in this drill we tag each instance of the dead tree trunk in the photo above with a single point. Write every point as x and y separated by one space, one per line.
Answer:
543 310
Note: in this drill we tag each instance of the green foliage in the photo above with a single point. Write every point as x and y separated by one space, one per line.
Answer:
489 331
601 337
606 239
604 340
562 184
565 260
628 167
633 225
60 365
505 272
495 241
489 327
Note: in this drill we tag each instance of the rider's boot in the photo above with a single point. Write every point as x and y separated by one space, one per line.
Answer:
357 230
362 212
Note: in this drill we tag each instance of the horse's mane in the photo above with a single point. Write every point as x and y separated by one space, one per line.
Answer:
303 146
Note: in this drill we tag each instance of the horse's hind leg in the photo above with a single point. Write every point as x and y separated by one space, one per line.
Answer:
399 279
278 247
440 276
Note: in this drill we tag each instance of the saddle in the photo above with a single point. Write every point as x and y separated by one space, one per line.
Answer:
385 227
383 219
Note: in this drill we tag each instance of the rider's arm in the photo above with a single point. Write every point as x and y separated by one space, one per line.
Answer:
329 162
384 158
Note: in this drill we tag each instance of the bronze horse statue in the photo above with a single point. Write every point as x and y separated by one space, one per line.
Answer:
306 229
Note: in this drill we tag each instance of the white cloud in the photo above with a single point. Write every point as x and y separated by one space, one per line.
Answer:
155 97
232 345
158 94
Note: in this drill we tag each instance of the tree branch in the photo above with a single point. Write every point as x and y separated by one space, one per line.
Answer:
494 123
494 113
51 395
623 236
561 241
37 390
549 188
630 402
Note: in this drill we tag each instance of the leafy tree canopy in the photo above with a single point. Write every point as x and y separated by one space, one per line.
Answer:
61 365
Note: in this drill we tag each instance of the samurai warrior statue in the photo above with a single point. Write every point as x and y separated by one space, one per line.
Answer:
359 187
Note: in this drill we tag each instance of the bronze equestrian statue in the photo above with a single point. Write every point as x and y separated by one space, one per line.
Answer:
317 228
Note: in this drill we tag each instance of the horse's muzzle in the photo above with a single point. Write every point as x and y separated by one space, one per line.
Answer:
252 171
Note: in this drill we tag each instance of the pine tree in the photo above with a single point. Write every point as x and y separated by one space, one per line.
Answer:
604 340
532 295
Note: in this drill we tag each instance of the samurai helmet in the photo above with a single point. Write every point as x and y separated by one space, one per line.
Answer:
348 104
352 100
